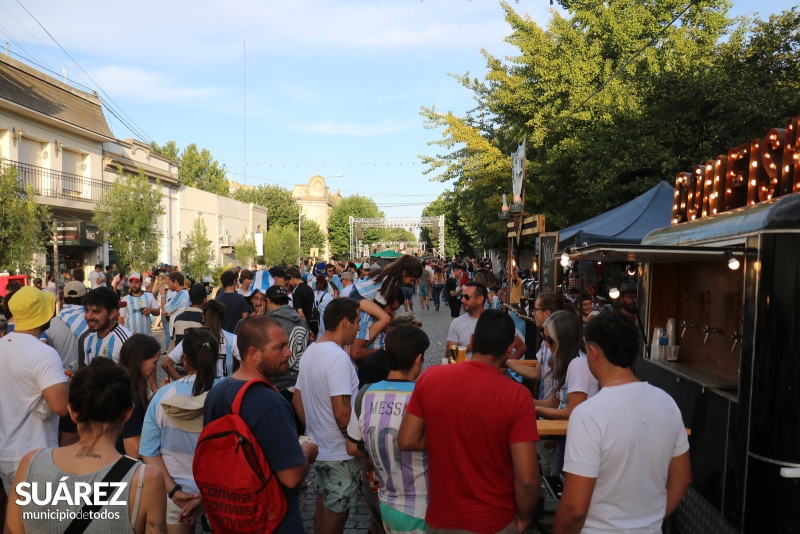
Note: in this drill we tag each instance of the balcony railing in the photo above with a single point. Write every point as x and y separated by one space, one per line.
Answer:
57 184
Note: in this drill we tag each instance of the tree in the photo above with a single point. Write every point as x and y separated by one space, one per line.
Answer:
128 215
399 234
198 168
339 222
280 245
196 254
312 236
24 224
282 207
588 149
246 250
456 240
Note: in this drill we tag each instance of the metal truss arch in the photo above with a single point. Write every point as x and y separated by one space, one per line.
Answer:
395 222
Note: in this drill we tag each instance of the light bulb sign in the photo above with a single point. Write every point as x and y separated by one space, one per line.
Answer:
749 173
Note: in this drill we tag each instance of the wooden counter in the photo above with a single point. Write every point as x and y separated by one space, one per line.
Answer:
551 427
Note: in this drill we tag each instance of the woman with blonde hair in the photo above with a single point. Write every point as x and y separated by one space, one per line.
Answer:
160 281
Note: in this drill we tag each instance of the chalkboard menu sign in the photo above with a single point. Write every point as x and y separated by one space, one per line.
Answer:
548 275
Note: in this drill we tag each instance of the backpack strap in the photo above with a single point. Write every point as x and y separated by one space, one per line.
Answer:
237 402
115 474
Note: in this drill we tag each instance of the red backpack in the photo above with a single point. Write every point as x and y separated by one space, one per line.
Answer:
240 492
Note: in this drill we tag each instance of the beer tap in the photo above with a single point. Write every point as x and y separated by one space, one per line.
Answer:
685 325
735 337
709 330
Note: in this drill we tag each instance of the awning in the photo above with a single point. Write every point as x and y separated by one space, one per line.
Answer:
651 254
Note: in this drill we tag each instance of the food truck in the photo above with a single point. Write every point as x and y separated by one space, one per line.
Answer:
726 273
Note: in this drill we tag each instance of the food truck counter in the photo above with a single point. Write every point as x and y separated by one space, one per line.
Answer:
737 376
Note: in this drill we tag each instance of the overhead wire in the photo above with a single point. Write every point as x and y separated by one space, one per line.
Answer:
138 130
625 65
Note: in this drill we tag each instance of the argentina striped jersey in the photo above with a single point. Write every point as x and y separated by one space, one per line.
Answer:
72 315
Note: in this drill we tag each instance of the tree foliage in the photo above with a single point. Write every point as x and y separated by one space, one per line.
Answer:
339 222
128 215
24 224
280 245
456 239
282 207
311 236
703 85
246 251
198 168
196 254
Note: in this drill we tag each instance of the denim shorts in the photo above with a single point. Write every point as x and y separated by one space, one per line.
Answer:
424 291
408 293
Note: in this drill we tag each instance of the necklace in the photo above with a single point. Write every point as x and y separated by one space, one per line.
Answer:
619 382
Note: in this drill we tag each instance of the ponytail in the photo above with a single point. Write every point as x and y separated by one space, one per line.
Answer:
391 276
202 351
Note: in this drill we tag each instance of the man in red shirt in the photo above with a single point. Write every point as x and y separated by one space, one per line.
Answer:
479 429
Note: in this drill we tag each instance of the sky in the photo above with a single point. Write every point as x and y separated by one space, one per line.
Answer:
282 90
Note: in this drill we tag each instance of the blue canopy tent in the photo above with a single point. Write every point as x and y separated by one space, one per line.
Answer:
628 223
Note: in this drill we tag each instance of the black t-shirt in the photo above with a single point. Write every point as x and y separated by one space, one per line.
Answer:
303 299
374 369
235 306
451 285
271 419
133 426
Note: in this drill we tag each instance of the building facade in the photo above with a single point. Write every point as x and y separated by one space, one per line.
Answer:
57 138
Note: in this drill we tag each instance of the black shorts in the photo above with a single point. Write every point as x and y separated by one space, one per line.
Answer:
455 307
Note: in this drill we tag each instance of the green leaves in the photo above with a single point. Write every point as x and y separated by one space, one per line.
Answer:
283 209
339 222
128 214
698 87
198 168
197 254
280 245
24 224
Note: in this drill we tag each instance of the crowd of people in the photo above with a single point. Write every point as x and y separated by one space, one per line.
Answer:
454 449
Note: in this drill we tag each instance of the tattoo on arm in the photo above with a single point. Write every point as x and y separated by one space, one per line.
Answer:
155 526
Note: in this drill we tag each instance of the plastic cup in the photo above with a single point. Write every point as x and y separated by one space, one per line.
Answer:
672 353
462 354
445 361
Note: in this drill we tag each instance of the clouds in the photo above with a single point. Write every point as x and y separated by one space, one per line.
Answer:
150 86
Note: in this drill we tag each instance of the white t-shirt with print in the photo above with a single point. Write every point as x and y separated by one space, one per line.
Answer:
325 371
27 367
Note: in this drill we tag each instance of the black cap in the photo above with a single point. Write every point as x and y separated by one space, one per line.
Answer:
278 272
276 293
628 287
197 291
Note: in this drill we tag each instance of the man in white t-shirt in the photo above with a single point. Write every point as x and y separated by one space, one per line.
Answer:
627 461
97 278
347 279
473 296
33 387
325 384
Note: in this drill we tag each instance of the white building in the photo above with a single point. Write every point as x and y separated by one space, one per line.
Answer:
59 141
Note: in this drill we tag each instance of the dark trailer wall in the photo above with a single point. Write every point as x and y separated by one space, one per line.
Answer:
741 400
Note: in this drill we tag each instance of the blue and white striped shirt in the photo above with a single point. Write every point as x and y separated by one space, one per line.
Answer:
262 281
363 332
135 320
176 303
107 347
73 317
368 289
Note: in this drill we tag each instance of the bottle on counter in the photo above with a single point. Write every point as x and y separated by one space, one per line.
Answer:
663 343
